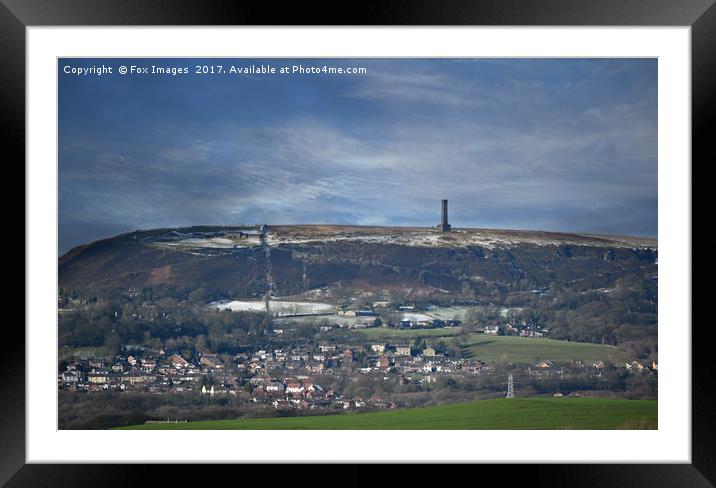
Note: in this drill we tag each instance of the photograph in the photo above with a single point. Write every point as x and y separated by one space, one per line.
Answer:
357 243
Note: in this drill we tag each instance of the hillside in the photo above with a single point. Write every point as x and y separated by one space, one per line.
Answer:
240 261
517 413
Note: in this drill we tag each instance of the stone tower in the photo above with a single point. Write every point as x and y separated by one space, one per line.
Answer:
444 226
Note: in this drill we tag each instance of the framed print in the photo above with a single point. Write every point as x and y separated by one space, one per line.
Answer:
421 243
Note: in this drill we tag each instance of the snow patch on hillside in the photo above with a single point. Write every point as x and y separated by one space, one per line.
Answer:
276 307
457 238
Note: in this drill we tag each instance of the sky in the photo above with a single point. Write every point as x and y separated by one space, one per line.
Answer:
566 145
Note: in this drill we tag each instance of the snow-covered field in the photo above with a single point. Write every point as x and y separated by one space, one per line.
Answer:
426 237
276 307
449 313
417 317
210 243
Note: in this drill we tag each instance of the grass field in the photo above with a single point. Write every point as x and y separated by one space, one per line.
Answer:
529 350
517 413
384 333
66 353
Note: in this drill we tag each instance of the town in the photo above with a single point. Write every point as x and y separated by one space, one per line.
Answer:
304 378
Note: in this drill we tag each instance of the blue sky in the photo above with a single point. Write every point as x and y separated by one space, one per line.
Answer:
551 144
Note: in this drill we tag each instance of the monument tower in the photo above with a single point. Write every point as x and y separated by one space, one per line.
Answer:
444 226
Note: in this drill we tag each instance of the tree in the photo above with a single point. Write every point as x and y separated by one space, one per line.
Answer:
113 343
200 344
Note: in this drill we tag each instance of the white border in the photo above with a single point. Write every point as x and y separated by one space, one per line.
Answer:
670 443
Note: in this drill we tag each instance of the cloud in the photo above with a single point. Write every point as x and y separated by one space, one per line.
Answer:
377 150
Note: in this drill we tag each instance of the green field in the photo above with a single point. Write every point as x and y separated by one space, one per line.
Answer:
67 353
384 333
517 413
494 349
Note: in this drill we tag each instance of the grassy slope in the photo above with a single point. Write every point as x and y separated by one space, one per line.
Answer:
518 413
67 353
404 334
494 349
528 349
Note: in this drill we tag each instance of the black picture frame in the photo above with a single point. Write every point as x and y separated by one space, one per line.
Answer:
700 15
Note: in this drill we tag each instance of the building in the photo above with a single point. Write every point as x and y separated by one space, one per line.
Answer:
211 361
491 329
98 378
444 226
178 362
402 350
294 388
70 376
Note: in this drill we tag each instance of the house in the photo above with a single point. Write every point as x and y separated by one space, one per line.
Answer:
402 350
274 386
149 364
138 378
635 366
281 404
491 329
472 366
97 364
406 323
379 348
383 363
294 388
98 378
70 376
299 356
429 351
317 368
177 361
211 361
315 389
299 404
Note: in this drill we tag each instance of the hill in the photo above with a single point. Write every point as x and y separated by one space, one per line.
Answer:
517 413
236 260
532 349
